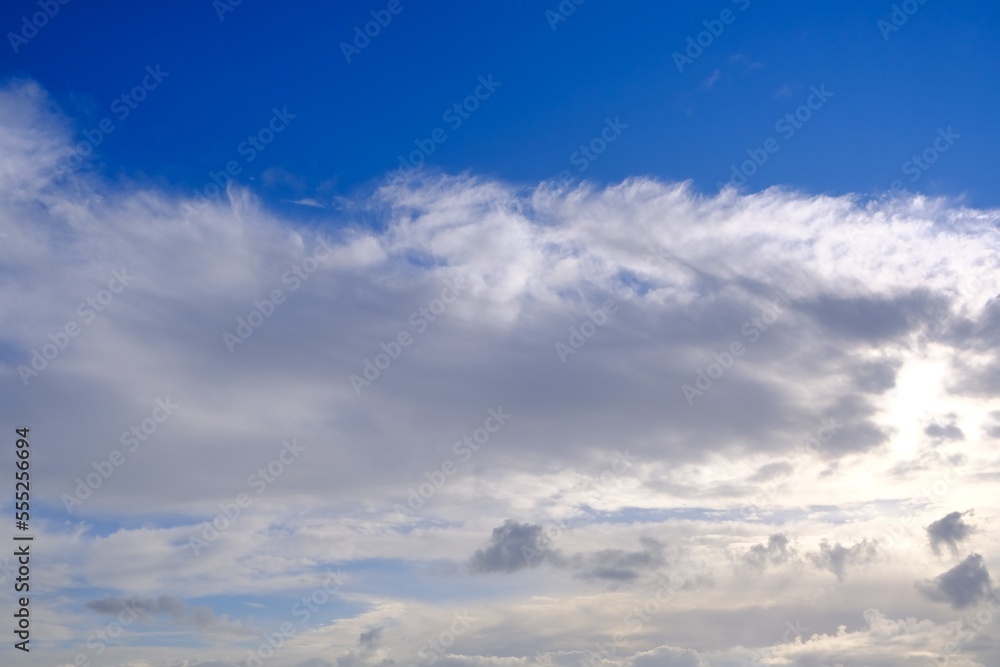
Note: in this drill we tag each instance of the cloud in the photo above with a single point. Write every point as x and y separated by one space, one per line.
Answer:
512 547
619 565
308 201
771 471
201 618
837 558
776 552
515 546
370 638
164 604
949 530
962 586
691 274
993 430
946 431
369 652
667 656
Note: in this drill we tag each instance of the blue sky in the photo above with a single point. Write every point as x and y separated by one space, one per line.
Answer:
688 299
615 60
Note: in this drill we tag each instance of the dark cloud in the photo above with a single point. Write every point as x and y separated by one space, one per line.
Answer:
979 378
993 430
837 558
949 530
876 378
513 546
961 586
201 618
620 565
928 459
776 552
945 431
163 605
770 471
371 637
366 654
854 429
872 319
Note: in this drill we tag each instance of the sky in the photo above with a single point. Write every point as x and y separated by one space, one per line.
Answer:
501 334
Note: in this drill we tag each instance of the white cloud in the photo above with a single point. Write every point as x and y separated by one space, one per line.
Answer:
889 325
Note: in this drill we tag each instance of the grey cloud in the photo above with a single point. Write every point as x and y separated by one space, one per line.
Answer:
512 547
162 605
993 430
944 431
776 552
515 546
873 319
201 617
769 471
949 531
977 378
856 432
962 586
876 378
368 652
837 558
371 637
620 565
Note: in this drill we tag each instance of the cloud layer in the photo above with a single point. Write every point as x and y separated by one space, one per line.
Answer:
715 424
